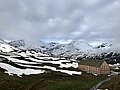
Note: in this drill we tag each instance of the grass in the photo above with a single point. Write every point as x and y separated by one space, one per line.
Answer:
48 81
113 84
75 84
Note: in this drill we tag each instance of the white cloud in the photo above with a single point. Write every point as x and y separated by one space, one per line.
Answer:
90 20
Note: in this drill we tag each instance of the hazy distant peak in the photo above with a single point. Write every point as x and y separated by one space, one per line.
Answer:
2 41
104 45
17 43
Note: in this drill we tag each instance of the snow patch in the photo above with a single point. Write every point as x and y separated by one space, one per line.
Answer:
13 70
5 48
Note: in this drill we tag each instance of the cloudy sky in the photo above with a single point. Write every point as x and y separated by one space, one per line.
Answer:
60 20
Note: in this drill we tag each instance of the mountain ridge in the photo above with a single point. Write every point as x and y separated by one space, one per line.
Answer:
57 49
74 50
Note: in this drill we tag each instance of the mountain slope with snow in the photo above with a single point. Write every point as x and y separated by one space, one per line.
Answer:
32 62
75 47
104 45
18 43
4 47
2 41
53 56
71 49
18 61
22 44
39 46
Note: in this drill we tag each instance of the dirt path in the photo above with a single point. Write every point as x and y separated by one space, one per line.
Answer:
33 87
99 84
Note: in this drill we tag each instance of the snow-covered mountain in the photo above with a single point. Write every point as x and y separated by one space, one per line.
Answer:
18 43
39 46
2 41
5 47
104 45
71 49
22 44
43 46
81 45
30 61
18 61
75 47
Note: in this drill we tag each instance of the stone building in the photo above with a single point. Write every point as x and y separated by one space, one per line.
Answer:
94 66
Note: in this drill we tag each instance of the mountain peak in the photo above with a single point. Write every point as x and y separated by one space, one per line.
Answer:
2 41
82 45
104 45
17 43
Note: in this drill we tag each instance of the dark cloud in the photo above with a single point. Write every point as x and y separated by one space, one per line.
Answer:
90 20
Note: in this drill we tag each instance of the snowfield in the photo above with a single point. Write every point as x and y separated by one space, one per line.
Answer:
35 63
6 48
12 70
18 57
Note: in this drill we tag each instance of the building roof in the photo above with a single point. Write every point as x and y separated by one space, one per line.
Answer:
95 63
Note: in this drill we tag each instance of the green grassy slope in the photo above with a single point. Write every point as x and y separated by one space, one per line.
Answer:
48 81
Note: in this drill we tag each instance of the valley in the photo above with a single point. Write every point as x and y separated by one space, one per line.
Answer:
31 69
